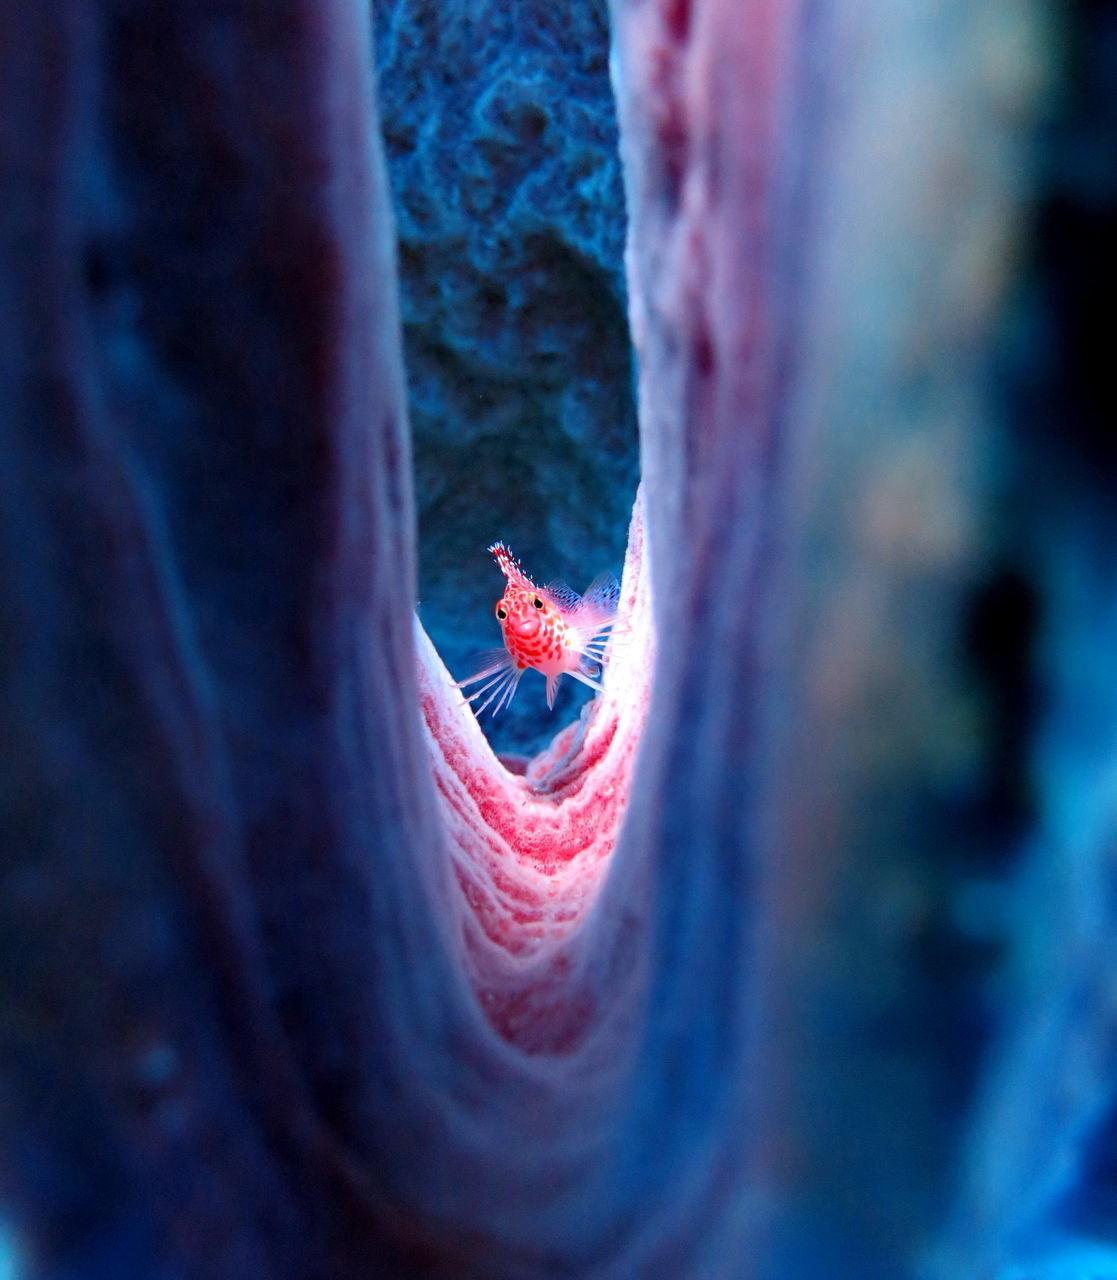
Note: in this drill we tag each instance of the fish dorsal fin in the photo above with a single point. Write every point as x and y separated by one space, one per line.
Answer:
510 566
564 597
603 594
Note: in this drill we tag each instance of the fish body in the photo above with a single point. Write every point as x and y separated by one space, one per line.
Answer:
551 629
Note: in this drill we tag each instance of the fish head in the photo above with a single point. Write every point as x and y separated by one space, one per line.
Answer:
532 625
530 617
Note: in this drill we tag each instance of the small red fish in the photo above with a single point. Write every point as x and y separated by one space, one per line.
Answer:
550 629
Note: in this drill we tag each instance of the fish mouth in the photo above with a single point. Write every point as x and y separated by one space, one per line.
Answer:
526 627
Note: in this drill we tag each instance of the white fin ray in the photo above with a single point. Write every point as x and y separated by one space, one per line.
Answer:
497 679
491 683
503 691
591 642
510 691
491 661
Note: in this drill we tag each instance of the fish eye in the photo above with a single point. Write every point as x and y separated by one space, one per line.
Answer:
501 613
537 602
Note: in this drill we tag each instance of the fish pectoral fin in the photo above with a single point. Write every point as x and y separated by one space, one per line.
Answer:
501 690
592 649
497 680
552 690
491 662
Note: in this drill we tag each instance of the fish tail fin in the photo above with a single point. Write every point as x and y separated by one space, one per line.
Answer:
591 664
588 680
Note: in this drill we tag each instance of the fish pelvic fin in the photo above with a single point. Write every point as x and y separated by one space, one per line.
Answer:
552 689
